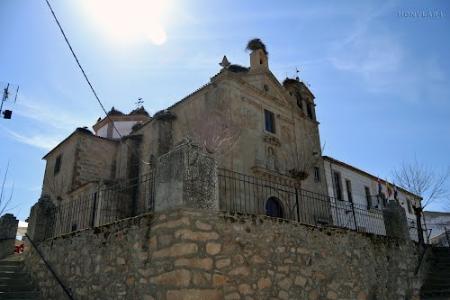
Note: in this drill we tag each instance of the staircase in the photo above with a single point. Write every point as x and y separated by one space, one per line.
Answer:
15 283
437 283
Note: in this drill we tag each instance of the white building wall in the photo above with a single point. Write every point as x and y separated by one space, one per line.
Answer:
103 131
124 127
367 218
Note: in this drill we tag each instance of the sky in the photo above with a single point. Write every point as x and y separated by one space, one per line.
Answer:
380 71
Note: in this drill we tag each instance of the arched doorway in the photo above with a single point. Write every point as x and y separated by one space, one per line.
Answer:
274 208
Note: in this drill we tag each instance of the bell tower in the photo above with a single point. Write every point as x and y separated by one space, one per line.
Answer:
259 60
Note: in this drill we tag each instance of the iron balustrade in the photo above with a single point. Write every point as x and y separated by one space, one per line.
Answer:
102 205
240 193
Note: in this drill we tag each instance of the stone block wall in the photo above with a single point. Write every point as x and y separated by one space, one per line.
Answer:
200 254
8 231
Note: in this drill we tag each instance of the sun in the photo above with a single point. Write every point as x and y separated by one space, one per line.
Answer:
128 21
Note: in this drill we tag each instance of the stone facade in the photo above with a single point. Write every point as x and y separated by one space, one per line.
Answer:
83 158
186 177
8 231
200 254
238 99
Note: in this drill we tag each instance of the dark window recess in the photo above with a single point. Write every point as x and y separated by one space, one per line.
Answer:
368 199
338 186
57 165
348 185
408 202
269 119
384 199
299 101
316 174
309 111
74 227
274 208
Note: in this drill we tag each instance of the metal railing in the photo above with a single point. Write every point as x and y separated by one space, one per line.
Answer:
103 205
240 193
66 290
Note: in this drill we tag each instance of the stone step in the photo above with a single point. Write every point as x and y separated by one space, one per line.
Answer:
19 295
10 263
29 287
435 278
12 274
436 288
15 280
10 268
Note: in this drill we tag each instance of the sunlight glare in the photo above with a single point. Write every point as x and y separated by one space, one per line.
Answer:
129 21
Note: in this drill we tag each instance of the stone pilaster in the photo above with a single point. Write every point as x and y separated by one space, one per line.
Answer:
8 231
42 219
186 177
395 221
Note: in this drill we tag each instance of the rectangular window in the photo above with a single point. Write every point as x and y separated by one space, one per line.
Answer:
368 197
269 119
309 111
337 185
348 185
316 174
408 203
57 165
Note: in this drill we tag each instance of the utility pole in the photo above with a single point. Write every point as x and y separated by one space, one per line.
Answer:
5 96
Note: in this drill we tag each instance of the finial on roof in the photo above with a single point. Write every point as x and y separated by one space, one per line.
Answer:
115 112
225 63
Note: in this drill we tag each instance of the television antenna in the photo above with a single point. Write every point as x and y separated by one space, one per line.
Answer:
9 92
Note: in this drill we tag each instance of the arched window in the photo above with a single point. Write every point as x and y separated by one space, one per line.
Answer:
274 208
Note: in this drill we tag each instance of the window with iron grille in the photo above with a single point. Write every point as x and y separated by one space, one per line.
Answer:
316 174
269 119
348 185
408 202
368 199
337 185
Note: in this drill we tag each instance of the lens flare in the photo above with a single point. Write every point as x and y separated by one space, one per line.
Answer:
128 21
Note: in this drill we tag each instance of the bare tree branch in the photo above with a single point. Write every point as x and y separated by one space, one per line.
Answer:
5 203
423 181
217 129
301 157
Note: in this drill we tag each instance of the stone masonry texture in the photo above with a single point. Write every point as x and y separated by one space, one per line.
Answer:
8 231
200 254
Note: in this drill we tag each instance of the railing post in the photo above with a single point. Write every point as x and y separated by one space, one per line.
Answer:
298 204
186 177
8 231
395 221
41 224
354 216
446 235
418 213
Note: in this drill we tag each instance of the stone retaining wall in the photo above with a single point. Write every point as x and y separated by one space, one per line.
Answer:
199 254
8 231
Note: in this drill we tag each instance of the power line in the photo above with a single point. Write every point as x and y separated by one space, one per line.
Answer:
88 81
